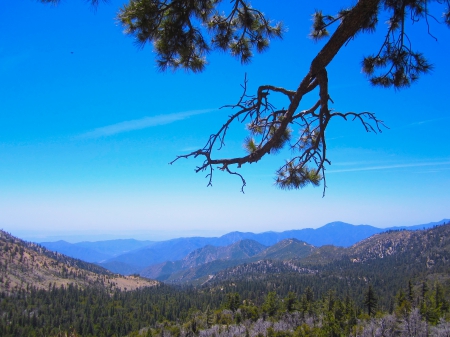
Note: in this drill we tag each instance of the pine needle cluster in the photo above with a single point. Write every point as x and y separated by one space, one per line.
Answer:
184 32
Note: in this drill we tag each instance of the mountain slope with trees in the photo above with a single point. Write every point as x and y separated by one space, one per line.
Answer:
236 251
201 264
25 265
387 261
389 285
142 254
387 248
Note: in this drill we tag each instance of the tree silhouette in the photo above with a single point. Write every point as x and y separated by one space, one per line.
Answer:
184 32
370 301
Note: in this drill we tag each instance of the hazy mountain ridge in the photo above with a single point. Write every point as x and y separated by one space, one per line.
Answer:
287 249
240 250
82 253
24 265
424 251
158 252
203 263
120 267
387 257
96 251
147 253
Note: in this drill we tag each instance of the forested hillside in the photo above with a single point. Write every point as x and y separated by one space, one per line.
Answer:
200 265
387 261
25 265
393 284
132 256
385 250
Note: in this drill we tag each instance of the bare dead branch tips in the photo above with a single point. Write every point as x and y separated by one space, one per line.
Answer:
209 175
369 121
244 93
235 173
194 154
270 128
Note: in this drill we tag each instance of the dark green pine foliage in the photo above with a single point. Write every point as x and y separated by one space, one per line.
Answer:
209 317
290 302
370 301
177 30
410 293
271 304
336 296
94 312
233 301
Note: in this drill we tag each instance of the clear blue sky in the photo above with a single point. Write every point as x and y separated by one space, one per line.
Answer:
88 126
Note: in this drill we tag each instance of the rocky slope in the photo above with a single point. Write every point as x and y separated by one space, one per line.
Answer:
394 254
240 250
24 265
200 265
132 256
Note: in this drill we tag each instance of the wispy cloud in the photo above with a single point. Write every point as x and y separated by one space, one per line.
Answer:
390 167
139 124
189 149
418 123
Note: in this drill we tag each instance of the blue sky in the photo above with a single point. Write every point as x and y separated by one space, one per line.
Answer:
88 126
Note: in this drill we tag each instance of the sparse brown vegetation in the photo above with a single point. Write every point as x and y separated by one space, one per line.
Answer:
24 265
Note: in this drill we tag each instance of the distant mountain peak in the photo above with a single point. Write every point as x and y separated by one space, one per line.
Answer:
340 224
132 256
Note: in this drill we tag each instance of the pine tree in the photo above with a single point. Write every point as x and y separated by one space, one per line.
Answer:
424 290
271 304
410 293
290 302
232 302
209 317
370 301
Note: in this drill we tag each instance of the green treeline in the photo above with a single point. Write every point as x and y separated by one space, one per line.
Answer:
317 309
93 311
362 294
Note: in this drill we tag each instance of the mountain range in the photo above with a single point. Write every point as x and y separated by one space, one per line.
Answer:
392 257
76 296
167 259
387 260
202 263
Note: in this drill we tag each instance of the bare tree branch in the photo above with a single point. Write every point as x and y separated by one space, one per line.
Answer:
272 126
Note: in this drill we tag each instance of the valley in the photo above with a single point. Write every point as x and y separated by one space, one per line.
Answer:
134 257
290 288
